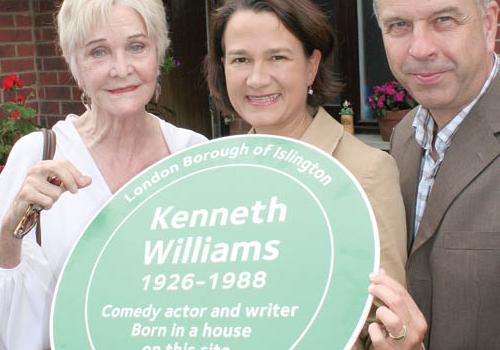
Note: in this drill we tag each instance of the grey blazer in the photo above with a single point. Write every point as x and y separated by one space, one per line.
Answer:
453 267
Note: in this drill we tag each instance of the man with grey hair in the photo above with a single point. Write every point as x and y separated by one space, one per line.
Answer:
447 150
482 3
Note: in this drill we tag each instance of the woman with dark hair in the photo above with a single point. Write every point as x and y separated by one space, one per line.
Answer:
270 62
313 32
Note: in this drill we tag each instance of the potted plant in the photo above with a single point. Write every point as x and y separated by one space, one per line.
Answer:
390 102
17 119
347 117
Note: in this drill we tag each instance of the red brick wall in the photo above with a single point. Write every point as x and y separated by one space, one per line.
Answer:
497 42
27 48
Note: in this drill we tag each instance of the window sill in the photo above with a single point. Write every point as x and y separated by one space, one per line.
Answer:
374 140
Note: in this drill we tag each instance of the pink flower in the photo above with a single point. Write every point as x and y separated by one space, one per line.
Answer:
390 90
380 102
15 115
399 97
389 96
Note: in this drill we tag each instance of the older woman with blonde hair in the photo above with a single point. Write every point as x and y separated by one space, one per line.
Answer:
114 49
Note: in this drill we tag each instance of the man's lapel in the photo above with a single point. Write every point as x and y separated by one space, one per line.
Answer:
408 153
409 168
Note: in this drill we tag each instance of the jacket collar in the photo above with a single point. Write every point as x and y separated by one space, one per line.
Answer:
408 154
323 125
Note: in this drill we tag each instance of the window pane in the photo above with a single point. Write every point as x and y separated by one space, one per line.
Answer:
373 67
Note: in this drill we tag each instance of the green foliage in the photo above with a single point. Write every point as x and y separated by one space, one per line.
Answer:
156 107
346 108
169 64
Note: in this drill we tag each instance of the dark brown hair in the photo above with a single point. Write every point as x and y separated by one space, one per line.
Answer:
303 18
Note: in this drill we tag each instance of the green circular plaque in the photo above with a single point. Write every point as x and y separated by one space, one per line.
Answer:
243 243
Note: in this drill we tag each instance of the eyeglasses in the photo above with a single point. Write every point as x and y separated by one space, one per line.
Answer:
32 214
29 220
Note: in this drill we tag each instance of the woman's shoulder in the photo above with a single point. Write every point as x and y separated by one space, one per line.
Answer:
29 146
364 160
180 138
24 154
362 151
65 125
34 137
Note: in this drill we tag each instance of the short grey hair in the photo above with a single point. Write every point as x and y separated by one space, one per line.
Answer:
483 4
76 18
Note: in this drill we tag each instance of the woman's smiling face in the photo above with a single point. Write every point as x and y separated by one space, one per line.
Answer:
117 67
267 72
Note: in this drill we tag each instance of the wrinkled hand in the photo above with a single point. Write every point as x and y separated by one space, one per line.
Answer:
37 189
398 318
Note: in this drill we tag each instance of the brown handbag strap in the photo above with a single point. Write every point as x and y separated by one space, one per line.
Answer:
49 144
49 148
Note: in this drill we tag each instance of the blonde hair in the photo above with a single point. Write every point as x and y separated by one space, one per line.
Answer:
76 18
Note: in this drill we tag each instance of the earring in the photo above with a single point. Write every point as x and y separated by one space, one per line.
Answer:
310 90
86 101
157 92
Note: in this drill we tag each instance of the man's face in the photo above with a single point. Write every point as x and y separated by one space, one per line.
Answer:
440 50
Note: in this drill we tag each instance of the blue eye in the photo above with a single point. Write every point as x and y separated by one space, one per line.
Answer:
98 52
444 19
137 48
445 22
